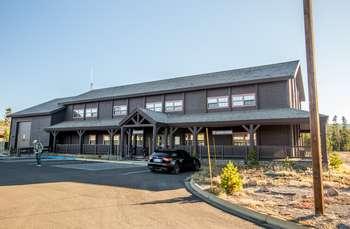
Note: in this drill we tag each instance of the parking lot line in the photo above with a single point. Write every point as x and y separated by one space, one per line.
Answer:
135 172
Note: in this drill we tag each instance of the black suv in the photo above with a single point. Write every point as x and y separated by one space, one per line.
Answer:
173 161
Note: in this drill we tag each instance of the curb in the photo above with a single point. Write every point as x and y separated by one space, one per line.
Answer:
140 163
234 209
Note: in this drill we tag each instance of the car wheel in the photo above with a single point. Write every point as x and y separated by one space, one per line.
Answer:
196 166
176 169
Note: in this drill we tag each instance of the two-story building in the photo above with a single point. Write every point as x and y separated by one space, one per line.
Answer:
258 106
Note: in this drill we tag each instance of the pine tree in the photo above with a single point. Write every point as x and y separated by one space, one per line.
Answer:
345 136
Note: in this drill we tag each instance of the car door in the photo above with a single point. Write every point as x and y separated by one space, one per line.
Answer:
188 161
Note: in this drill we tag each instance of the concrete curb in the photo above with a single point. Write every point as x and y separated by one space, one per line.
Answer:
140 163
234 209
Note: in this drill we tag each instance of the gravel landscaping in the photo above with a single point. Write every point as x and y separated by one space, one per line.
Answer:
284 189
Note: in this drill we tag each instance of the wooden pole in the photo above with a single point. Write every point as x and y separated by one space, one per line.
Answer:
313 106
209 161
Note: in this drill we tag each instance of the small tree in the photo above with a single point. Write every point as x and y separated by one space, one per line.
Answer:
252 158
230 179
334 161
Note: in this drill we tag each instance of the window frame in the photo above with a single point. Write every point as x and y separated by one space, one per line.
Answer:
243 100
90 140
93 114
154 106
217 98
75 112
173 105
123 112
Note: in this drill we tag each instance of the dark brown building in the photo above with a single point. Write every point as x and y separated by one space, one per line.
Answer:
258 106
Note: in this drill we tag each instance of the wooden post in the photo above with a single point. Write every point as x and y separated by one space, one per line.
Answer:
209 160
313 107
80 134
121 143
154 138
54 134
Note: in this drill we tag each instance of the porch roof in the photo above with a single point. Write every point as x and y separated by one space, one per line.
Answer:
85 124
261 116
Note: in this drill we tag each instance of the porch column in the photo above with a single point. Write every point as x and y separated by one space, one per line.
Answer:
154 138
54 134
165 138
121 142
323 133
171 136
251 130
129 143
195 130
80 134
111 133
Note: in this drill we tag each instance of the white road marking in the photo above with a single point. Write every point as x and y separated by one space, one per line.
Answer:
135 172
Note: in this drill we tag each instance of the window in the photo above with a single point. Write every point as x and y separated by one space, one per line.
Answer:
78 113
106 140
157 106
116 140
177 140
92 139
243 100
91 112
120 110
172 106
217 102
242 138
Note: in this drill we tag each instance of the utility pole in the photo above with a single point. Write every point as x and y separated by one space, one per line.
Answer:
313 106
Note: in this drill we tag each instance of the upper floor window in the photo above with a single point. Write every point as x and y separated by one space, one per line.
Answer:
217 102
243 100
120 110
155 106
174 105
91 112
78 113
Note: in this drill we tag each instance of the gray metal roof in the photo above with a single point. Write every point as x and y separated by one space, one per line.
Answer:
241 117
237 76
85 124
42 109
269 115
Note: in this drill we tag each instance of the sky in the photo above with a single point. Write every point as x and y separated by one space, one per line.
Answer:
48 48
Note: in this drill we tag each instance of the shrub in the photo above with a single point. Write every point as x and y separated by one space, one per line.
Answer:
334 161
230 179
252 158
287 163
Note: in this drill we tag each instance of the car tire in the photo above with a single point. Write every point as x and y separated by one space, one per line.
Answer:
176 169
196 165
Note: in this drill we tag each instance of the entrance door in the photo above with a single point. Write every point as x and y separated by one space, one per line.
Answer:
23 134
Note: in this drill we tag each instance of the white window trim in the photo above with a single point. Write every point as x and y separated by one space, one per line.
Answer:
242 95
121 111
91 114
78 109
173 106
217 98
153 106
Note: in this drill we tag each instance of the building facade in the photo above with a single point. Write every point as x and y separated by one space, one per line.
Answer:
251 108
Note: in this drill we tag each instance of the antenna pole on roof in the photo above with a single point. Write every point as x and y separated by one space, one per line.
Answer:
91 78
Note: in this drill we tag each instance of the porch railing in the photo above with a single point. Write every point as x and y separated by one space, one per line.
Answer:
217 151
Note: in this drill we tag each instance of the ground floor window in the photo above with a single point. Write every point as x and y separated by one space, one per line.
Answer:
92 139
241 138
116 139
106 139
177 140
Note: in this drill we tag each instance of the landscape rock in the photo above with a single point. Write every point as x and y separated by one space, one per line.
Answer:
332 192
263 189
251 183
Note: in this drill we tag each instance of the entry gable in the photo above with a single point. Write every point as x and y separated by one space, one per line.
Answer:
141 117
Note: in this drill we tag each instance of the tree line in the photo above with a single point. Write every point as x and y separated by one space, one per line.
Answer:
338 135
5 123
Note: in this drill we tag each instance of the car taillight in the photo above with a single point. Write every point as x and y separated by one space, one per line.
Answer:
167 159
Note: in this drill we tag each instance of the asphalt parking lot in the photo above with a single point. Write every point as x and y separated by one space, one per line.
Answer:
81 194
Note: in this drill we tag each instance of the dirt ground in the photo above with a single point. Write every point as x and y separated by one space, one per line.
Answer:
287 193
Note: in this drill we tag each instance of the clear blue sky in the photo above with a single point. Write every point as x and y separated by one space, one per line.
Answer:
48 47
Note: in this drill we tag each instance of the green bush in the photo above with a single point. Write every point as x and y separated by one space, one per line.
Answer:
252 158
334 161
230 179
287 163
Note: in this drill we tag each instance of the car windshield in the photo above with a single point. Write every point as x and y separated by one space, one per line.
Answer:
165 154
